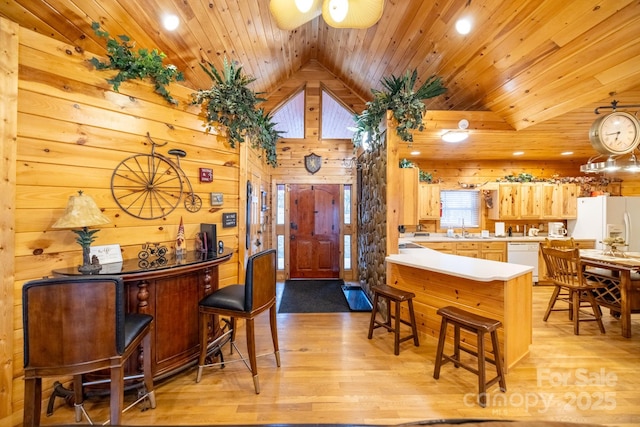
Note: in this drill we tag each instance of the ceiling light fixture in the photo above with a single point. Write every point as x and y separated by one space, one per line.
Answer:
566 153
612 164
454 136
463 26
170 22
415 153
518 153
290 14
458 135
632 165
304 6
338 9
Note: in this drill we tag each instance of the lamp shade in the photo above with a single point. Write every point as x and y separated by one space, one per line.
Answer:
288 15
81 211
359 13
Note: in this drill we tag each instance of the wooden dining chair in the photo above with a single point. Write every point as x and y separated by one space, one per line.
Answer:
77 325
569 243
243 301
565 271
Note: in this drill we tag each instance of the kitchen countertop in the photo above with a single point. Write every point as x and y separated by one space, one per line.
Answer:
437 238
478 269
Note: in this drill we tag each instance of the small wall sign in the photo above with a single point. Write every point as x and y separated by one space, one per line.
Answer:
229 220
206 175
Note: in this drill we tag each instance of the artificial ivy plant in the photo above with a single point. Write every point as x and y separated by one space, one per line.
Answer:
138 64
405 101
230 103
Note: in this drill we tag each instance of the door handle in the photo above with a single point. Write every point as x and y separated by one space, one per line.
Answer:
293 226
292 237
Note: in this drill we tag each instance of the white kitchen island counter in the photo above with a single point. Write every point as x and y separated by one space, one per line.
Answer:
470 268
492 289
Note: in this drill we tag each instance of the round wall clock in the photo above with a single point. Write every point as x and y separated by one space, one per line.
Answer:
615 133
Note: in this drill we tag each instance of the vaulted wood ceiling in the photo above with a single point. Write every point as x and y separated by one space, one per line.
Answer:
528 76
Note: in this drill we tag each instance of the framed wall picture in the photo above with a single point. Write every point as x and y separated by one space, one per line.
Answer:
206 175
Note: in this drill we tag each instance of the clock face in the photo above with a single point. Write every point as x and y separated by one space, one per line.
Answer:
615 133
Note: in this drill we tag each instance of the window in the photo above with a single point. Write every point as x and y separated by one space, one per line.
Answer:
336 119
289 118
347 252
460 208
347 204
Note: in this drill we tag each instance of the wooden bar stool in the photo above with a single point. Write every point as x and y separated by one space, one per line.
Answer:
480 326
397 296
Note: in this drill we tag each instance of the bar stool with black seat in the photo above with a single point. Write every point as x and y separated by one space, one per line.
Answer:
397 296
479 325
245 302
77 325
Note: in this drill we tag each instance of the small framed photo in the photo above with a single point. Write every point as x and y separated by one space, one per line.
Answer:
206 175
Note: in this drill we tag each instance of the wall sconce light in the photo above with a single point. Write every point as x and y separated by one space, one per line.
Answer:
82 212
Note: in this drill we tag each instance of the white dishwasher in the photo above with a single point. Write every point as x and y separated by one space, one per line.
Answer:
524 253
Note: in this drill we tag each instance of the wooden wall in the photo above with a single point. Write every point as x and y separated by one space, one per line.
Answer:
72 132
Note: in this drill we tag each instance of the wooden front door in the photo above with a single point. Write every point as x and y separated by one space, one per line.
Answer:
315 231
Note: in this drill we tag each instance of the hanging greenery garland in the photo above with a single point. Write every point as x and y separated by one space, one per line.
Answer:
138 64
403 100
230 103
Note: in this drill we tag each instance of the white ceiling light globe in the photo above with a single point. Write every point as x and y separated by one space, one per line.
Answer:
338 9
304 5
463 26
170 22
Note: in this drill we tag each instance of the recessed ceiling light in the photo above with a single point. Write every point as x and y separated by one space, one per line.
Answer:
463 26
415 153
170 22
518 153
566 153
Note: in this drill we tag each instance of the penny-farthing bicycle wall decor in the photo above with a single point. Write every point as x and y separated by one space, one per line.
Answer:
150 186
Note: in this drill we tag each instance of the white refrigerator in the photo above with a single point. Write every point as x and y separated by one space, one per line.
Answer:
601 216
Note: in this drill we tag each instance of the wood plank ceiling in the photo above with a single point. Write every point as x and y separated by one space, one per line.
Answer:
528 76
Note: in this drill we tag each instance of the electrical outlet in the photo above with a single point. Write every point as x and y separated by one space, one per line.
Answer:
216 199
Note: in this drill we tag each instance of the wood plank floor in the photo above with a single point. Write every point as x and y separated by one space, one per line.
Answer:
331 373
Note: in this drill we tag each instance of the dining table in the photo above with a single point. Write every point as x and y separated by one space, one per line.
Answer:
619 272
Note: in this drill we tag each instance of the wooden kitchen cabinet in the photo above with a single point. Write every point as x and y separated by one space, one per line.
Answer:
409 201
530 201
428 201
506 201
495 251
559 201
445 247
470 249
534 201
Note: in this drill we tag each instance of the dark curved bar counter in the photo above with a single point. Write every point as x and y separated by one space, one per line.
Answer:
170 292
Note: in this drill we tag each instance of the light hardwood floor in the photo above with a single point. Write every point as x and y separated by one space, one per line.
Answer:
331 373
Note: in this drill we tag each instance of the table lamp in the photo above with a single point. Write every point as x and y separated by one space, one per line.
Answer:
82 212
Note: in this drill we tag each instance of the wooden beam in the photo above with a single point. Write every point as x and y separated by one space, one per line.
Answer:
8 142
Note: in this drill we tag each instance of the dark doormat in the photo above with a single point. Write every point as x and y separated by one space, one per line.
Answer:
356 298
313 296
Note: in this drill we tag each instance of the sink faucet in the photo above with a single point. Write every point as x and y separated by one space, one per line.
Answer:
465 233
